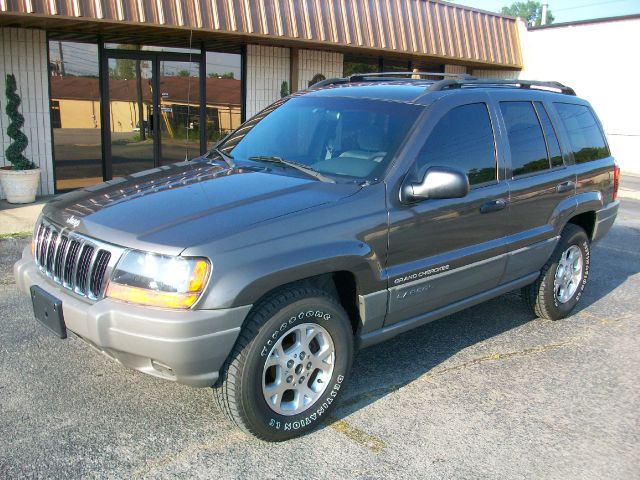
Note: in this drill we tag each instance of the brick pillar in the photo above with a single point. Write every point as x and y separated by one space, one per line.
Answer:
267 68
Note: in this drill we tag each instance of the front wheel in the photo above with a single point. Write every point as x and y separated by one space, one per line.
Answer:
289 364
563 278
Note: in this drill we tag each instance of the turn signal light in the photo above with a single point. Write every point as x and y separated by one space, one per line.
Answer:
152 298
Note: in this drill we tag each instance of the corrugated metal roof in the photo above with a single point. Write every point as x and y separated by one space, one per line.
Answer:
414 27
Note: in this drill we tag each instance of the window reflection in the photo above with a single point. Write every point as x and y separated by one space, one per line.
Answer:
75 117
223 97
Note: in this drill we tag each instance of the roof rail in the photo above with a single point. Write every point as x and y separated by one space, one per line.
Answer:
381 76
449 83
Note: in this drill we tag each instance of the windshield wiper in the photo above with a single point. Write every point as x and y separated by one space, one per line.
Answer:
225 156
301 167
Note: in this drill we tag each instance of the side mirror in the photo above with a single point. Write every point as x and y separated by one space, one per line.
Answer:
438 182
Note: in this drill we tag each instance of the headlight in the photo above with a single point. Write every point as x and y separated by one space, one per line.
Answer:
158 280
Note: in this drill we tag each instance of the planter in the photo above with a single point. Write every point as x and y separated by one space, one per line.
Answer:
20 186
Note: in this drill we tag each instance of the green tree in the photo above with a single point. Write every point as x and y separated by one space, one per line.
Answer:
14 150
284 89
222 75
125 69
184 73
530 10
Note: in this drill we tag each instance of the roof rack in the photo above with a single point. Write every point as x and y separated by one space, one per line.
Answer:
449 83
382 76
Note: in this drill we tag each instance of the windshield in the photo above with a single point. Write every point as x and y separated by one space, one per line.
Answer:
339 137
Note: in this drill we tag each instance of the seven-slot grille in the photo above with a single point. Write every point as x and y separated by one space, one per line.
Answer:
71 260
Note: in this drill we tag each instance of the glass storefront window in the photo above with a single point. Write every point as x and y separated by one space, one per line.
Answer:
75 113
152 107
354 65
223 95
392 65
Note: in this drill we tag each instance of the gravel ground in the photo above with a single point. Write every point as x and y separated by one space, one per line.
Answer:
490 392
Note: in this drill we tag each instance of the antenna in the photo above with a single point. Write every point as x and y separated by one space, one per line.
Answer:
186 146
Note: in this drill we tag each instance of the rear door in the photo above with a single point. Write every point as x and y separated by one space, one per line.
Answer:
538 179
441 251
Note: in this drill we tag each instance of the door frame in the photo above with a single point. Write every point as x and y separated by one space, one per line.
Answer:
155 58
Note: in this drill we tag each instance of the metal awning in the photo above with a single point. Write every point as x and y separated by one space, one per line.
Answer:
412 28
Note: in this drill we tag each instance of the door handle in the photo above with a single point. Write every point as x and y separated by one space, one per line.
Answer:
565 186
493 206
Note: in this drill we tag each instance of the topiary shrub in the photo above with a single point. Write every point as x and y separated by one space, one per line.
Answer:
14 150
284 89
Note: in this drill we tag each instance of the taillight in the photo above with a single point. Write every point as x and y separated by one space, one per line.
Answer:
616 181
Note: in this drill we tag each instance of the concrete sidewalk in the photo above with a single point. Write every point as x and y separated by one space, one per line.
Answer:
17 219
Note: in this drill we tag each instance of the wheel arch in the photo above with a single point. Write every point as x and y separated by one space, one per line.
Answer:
586 221
342 284
578 210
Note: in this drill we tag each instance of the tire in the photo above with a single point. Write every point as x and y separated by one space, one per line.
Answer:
278 397
559 287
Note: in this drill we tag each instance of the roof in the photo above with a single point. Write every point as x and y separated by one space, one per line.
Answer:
587 22
408 28
220 91
398 90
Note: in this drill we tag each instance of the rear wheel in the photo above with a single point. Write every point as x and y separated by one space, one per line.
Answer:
563 278
289 364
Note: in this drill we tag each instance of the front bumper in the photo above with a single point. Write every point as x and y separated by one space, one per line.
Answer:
187 346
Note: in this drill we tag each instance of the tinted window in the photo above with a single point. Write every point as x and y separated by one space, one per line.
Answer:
528 149
463 139
587 141
553 146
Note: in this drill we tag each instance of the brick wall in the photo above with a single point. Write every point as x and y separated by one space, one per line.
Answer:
267 68
312 62
455 69
23 52
503 74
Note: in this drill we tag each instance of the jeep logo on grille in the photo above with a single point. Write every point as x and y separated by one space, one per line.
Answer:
73 221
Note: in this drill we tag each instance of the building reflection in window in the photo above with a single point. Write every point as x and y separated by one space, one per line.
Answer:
223 95
75 114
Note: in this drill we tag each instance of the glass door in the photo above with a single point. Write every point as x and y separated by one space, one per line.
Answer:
179 112
153 115
131 109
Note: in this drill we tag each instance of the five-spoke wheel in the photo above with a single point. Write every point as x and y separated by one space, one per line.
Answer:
298 369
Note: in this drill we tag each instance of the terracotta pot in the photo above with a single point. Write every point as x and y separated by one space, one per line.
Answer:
20 186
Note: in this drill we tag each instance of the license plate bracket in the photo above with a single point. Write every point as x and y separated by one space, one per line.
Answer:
48 311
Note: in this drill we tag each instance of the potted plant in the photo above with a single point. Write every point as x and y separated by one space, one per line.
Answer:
20 180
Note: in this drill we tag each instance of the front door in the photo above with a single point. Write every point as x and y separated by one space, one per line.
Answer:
441 251
153 114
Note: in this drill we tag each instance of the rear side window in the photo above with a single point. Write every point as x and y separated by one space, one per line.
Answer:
587 141
553 146
526 142
463 139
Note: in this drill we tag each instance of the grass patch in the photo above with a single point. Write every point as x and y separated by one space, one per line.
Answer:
15 235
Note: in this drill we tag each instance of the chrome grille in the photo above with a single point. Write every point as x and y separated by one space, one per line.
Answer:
76 262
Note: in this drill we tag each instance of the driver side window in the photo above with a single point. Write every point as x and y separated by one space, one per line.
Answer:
462 139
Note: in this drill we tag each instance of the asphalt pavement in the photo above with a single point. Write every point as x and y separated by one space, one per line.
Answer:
490 392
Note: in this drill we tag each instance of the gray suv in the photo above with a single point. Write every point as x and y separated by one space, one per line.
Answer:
336 218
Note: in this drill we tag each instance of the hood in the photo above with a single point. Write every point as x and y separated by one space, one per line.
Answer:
170 208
